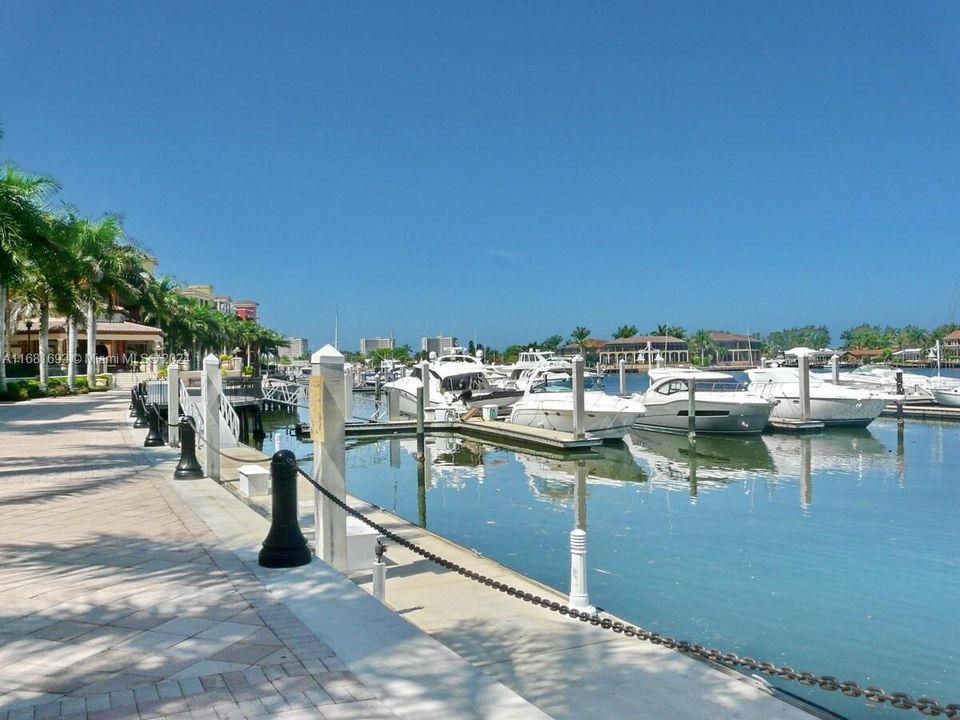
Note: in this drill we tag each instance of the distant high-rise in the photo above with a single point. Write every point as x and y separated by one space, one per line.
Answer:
297 348
368 345
440 344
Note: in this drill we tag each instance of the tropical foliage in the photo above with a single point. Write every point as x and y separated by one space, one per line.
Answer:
625 331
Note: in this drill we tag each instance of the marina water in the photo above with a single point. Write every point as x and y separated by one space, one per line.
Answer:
834 553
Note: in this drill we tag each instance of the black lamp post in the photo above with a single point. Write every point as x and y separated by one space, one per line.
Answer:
29 324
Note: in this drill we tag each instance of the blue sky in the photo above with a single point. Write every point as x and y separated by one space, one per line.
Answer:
508 171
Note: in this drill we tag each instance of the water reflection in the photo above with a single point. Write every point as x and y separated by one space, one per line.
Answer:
848 451
555 478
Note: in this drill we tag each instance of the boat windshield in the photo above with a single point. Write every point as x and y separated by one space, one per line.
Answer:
681 386
459 383
565 384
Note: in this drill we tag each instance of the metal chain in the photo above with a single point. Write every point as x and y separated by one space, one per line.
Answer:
901 700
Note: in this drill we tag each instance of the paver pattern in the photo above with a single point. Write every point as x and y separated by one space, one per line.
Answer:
116 600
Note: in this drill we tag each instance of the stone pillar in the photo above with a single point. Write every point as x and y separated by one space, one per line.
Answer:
578 398
329 454
212 388
173 403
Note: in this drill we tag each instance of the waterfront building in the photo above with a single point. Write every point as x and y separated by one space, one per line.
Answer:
860 356
440 344
202 293
369 345
734 349
591 350
645 350
950 346
243 309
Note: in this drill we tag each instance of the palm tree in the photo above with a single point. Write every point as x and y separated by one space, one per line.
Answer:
161 305
579 336
702 343
22 217
625 331
107 270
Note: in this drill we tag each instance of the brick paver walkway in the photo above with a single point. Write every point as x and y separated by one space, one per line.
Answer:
115 599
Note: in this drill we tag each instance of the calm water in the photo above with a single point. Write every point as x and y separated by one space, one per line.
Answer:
835 553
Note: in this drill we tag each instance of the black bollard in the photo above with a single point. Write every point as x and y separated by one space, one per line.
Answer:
153 438
133 402
285 546
188 468
141 421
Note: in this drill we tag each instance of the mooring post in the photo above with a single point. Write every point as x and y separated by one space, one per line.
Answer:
804 380
393 400
327 428
379 571
900 393
578 398
348 397
692 409
285 546
579 597
188 468
835 368
425 380
277 445
153 438
141 410
420 411
623 377
133 402
173 403
211 391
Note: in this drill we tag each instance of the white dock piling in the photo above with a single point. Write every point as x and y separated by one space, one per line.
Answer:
622 366
327 430
277 444
380 576
578 398
579 597
835 368
425 379
393 402
692 410
804 378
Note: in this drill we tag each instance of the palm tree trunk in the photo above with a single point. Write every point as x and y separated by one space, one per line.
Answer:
44 349
3 337
71 353
91 346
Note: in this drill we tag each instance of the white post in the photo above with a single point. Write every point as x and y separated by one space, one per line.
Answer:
425 378
211 389
804 377
347 399
835 368
578 398
277 445
623 377
173 403
579 598
329 454
393 397
379 575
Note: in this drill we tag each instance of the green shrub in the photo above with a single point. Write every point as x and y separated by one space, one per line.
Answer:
81 383
32 388
58 390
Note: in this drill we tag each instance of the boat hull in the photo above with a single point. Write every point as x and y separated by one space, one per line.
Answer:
714 418
948 397
606 417
832 412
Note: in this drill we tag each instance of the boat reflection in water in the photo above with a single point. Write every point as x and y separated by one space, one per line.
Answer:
554 478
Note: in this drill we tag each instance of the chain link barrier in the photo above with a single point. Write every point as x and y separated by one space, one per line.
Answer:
925 705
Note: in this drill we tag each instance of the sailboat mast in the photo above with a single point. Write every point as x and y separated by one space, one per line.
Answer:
336 327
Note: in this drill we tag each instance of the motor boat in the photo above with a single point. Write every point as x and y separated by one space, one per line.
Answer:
548 403
833 405
457 382
722 405
517 375
882 379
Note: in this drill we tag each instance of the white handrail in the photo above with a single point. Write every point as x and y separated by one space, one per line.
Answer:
230 418
189 407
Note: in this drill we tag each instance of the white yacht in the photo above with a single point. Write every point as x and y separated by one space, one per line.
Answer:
517 375
723 406
548 403
948 396
882 379
456 382
833 405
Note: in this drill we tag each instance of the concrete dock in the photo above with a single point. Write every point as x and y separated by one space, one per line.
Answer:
126 594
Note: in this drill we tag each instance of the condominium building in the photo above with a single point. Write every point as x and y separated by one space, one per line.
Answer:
368 345
440 344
